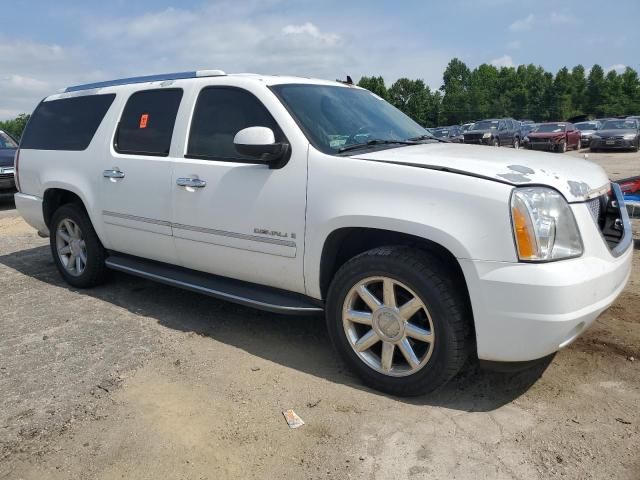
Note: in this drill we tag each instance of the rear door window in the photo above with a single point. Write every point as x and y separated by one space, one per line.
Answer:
147 122
66 124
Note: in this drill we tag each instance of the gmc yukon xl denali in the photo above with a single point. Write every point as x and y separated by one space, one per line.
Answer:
301 196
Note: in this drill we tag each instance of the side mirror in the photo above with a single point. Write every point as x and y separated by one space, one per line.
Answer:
260 143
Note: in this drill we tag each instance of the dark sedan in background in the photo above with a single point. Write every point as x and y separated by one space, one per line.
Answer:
8 148
453 133
617 134
587 129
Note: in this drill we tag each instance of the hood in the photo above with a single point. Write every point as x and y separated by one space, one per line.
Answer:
615 132
587 133
575 178
6 157
545 134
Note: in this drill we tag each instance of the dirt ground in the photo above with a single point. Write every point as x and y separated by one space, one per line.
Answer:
137 380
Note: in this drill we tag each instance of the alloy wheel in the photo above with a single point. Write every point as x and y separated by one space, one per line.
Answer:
388 326
71 247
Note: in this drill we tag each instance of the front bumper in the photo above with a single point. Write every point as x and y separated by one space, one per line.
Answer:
478 141
547 146
585 140
526 311
617 144
7 181
30 208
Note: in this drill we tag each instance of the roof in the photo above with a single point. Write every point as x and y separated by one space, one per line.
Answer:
268 79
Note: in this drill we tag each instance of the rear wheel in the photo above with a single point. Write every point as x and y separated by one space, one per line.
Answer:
76 248
516 143
395 316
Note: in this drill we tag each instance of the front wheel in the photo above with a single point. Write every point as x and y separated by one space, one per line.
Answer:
76 248
395 316
516 143
562 147
579 145
495 142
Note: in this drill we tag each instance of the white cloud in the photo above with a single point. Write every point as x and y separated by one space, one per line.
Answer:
523 24
618 67
563 19
312 31
504 61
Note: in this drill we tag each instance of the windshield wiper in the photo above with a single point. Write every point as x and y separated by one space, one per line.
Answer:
428 137
370 143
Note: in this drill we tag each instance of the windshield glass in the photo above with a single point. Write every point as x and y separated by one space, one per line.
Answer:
587 126
486 125
6 141
619 125
335 117
550 128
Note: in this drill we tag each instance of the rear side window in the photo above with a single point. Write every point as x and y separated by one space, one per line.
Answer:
146 126
67 124
220 113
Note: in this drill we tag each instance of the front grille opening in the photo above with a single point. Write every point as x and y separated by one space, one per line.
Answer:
609 219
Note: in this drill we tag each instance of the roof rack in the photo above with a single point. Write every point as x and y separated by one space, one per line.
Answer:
147 78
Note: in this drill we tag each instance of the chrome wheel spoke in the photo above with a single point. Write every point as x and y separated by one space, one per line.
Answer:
359 317
367 341
64 236
418 333
386 359
78 264
410 308
369 298
83 257
388 293
409 355
66 250
71 262
71 247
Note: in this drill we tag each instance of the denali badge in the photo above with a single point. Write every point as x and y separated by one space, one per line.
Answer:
273 233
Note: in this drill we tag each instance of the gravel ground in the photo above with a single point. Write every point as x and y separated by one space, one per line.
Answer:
138 380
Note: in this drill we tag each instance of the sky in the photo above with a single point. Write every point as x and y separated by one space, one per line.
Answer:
47 45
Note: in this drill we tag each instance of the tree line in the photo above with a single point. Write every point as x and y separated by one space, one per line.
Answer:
525 92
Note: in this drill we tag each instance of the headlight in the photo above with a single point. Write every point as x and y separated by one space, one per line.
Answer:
543 225
595 137
629 136
486 135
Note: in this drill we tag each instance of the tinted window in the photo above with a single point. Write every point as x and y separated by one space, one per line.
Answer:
220 113
6 142
67 124
147 122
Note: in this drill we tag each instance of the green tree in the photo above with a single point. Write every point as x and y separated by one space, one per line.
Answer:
375 85
412 97
455 102
596 91
15 127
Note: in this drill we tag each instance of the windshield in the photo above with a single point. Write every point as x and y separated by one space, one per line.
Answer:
6 141
619 125
550 128
335 117
468 126
587 126
486 125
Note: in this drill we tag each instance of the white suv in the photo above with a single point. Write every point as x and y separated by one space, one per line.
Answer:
300 196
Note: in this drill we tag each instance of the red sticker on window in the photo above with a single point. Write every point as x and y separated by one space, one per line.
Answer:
144 118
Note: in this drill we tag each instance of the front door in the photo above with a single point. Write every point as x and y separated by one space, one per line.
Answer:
240 219
135 186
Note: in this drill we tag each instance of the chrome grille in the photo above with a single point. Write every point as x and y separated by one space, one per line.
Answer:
594 208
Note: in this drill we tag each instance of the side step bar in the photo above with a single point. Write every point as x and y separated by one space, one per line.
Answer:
236 291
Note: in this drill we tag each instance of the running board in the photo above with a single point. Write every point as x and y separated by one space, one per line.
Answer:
236 291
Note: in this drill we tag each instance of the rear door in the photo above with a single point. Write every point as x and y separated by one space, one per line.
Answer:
135 188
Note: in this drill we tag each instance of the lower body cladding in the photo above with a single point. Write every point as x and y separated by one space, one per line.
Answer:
526 311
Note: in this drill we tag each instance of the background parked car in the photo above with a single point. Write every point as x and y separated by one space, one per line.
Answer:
554 136
496 132
587 129
617 134
467 126
452 133
8 147
526 126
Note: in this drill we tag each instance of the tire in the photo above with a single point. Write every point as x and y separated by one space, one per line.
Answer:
495 142
68 220
637 147
579 144
562 147
516 143
416 275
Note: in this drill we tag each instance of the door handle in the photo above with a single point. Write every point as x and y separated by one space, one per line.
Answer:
191 182
113 173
